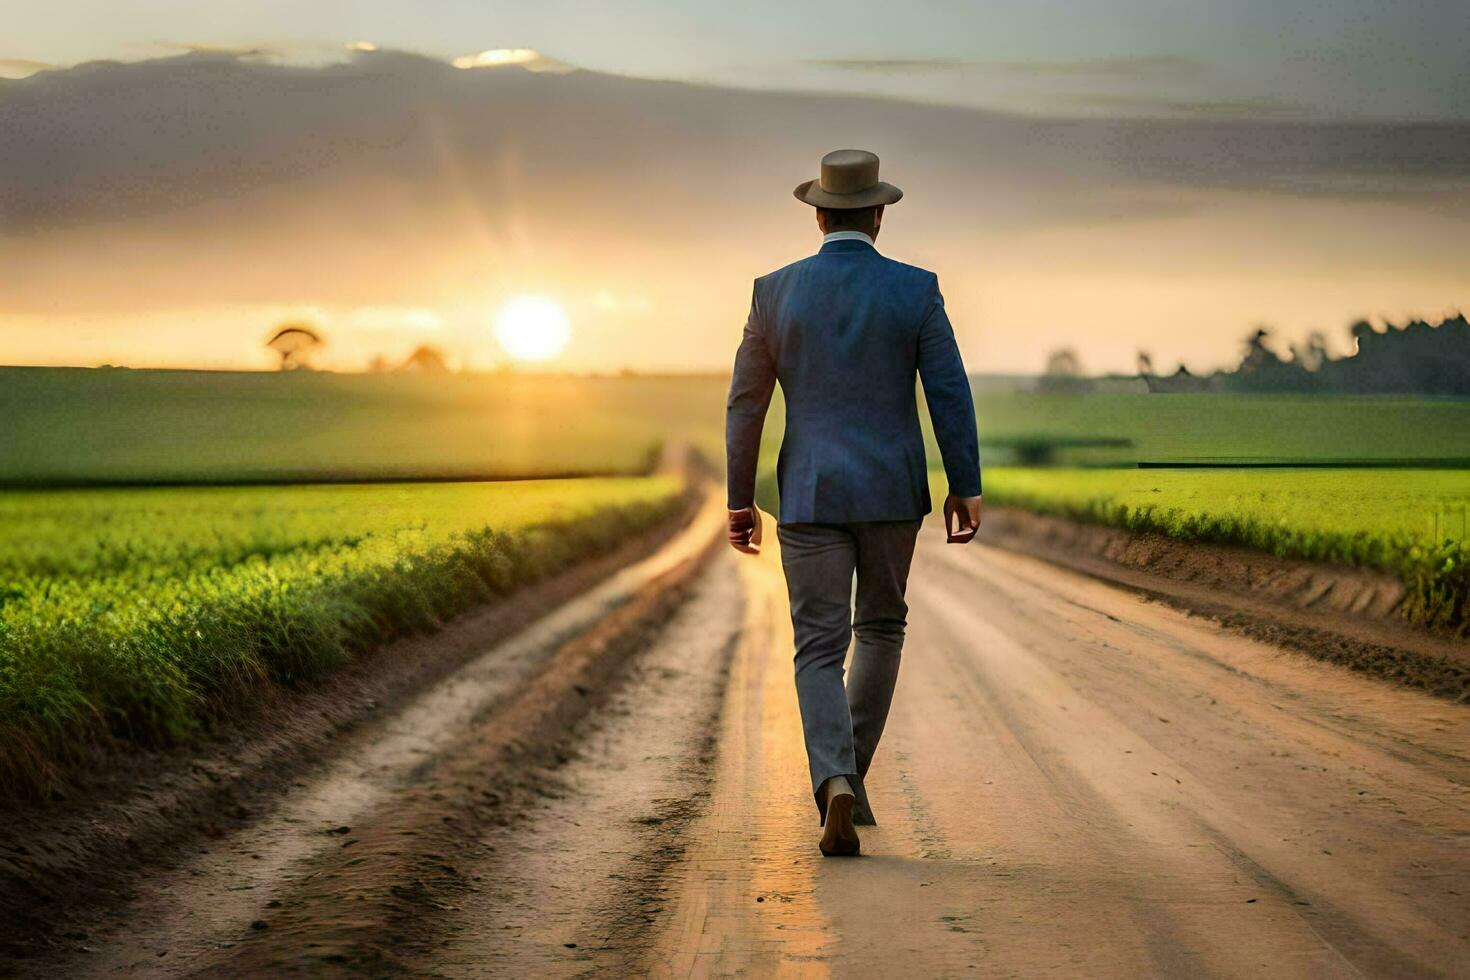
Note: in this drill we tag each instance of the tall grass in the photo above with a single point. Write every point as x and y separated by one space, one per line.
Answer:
141 616
1409 523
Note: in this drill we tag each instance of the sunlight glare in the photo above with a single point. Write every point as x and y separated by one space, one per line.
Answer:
532 328
497 57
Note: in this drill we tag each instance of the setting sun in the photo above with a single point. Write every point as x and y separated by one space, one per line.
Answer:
532 328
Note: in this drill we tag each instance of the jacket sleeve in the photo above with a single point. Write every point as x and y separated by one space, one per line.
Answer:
751 385
947 392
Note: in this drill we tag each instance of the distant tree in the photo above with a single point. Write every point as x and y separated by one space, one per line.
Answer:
1063 363
1262 369
1360 331
1181 381
1145 364
1418 357
296 343
1257 354
1063 371
1313 354
426 359
1415 358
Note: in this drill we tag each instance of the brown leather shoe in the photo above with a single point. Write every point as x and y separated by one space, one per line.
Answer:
839 836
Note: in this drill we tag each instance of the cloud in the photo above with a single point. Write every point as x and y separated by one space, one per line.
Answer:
889 66
527 58
1255 108
392 145
244 52
21 67
1136 66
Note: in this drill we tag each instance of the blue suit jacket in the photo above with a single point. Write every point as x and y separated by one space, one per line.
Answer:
846 332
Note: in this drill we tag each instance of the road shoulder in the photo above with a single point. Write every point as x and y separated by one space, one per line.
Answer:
1347 616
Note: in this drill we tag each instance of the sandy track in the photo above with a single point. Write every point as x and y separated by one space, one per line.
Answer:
1075 781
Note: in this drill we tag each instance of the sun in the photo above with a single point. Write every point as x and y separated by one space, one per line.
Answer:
532 329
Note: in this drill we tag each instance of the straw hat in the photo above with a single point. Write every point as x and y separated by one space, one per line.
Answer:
849 180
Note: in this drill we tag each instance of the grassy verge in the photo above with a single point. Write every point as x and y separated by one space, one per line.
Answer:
141 615
1409 523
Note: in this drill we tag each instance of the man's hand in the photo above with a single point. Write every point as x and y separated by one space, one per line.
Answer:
966 512
745 530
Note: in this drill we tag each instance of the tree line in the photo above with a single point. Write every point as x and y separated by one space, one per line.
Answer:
1417 358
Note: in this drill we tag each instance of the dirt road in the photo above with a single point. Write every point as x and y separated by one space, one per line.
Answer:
1074 782
1078 782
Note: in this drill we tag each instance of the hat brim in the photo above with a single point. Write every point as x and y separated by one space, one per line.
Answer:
810 192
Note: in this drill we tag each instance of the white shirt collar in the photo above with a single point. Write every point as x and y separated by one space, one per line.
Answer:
846 236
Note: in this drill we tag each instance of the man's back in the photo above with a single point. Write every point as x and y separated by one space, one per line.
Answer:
845 332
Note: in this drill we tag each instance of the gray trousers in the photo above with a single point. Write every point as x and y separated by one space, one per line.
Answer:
842 724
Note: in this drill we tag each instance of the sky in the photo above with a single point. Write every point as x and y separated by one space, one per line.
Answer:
1296 58
1108 177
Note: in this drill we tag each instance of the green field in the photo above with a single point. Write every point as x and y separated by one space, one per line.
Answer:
72 425
1231 428
140 614
1410 523
64 425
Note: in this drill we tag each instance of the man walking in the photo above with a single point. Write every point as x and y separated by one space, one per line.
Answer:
846 332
